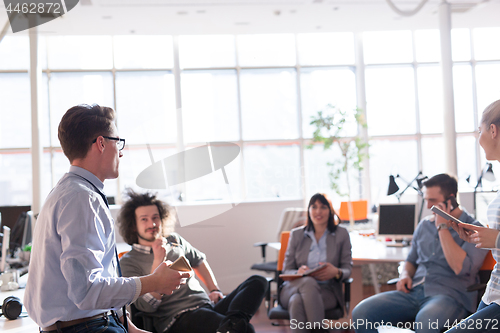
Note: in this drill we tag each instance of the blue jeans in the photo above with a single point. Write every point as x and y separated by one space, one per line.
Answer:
111 324
486 319
417 312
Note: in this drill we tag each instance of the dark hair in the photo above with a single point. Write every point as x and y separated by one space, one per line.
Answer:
80 125
333 218
126 218
445 182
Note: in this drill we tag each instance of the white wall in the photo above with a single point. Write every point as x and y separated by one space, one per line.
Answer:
228 239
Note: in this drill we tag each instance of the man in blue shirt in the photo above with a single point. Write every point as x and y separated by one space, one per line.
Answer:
431 290
73 284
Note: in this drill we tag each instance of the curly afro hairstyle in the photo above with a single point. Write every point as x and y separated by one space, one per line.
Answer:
126 218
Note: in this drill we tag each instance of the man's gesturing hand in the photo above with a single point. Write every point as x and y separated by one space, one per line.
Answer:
159 250
168 280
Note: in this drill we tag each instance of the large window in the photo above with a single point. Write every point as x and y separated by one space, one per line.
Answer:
210 106
145 104
390 96
258 91
269 104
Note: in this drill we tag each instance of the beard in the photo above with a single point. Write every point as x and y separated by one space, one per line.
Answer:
150 238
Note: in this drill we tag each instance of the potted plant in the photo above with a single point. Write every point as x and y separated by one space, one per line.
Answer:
331 125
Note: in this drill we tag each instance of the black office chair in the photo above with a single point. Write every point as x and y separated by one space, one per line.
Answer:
277 312
269 267
142 320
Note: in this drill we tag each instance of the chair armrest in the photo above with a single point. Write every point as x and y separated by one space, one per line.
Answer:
392 281
347 294
477 286
263 245
347 289
262 248
347 281
146 319
143 320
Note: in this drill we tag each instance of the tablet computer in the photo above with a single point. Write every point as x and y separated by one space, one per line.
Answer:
447 216
181 264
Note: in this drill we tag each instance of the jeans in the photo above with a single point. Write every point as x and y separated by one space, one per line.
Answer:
486 319
241 303
306 301
110 324
417 312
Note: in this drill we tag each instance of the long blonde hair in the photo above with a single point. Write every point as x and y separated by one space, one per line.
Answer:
491 115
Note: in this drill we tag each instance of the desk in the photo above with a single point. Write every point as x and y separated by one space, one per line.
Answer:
19 325
366 250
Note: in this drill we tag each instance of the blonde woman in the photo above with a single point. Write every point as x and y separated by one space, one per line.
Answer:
487 316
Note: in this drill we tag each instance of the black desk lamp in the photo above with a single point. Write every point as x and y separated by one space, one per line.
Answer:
394 188
486 173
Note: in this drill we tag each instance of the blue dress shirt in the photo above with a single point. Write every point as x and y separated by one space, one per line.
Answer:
439 279
317 252
72 272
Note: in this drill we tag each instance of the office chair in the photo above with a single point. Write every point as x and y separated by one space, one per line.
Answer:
121 254
277 312
141 319
290 218
360 211
484 276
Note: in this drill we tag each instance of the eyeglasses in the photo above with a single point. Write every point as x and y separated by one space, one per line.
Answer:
120 142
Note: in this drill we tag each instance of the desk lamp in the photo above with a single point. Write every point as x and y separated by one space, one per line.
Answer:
394 188
486 173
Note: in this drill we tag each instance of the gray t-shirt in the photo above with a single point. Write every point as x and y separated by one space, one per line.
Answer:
188 297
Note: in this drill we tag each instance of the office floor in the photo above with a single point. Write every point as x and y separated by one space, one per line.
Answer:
263 325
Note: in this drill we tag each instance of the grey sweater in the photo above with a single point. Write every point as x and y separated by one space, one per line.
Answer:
189 297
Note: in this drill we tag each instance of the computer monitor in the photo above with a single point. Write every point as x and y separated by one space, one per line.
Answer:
397 221
10 214
5 247
20 234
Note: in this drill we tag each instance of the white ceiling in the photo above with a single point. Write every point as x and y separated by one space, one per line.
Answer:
257 16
